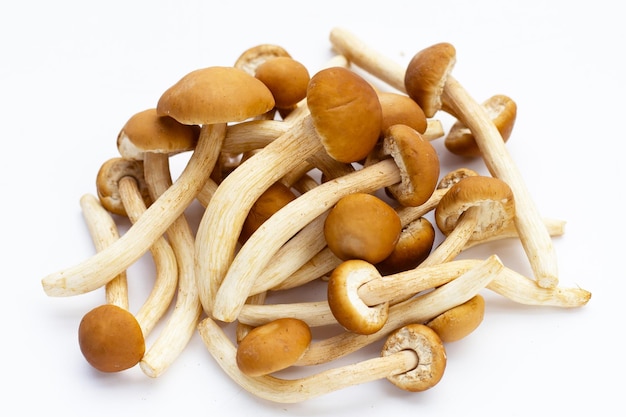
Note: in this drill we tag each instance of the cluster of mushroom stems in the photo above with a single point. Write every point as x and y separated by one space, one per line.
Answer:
310 177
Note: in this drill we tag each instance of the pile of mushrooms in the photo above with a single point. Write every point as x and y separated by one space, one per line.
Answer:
309 178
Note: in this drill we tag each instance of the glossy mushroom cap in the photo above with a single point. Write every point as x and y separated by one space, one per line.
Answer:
418 162
492 195
347 307
273 199
346 113
251 58
107 183
501 109
146 131
426 76
401 109
431 356
110 338
215 95
459 321
362 226
286 78
414 245
273 346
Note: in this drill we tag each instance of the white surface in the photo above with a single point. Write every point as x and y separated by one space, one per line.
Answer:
73 72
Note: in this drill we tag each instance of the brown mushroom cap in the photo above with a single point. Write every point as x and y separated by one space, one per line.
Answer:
107 181
215 95
459 321
273 346
273 199
362 226
426 75
286 78
414 245
492 195
251 58
146 131
401 109
418 162
344 302
110 338
455 176
346 113
501 109
431 356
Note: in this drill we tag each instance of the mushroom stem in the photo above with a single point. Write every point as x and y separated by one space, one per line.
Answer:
103 230
278 229
301 389
164 288
414 310
184 318
99 269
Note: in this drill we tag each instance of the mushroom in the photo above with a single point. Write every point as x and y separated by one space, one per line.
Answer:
412 171
109 336
508 283
123 172
414 245
336 98
401 109
433 65
404 361
210 97
501 109
472 209
287 79
273 346
362 226
458 322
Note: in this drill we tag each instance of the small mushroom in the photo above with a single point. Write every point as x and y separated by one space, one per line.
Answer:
210 97
501 109
362 226
415 177
414 245
273 346
401 109
287 79
400 357
458 322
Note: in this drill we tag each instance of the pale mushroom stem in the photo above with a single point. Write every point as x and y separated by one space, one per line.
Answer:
278 229
185 316
158 301
508 283
533 234
104 232
415 310
301 389
105 265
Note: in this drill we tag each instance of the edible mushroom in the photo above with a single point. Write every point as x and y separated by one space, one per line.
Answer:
459 321
412 169
344 121
209 97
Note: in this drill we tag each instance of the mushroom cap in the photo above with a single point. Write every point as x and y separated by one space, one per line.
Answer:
459 321
251 58
273 199
418 162
362 226
111 339
273 346
346 113
414 245
286 78
347 307
455 176
107 183
501 109
426 75
492 195
431 356
215 95
146 131
401 109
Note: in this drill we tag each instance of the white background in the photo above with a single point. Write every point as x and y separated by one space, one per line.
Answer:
73 72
